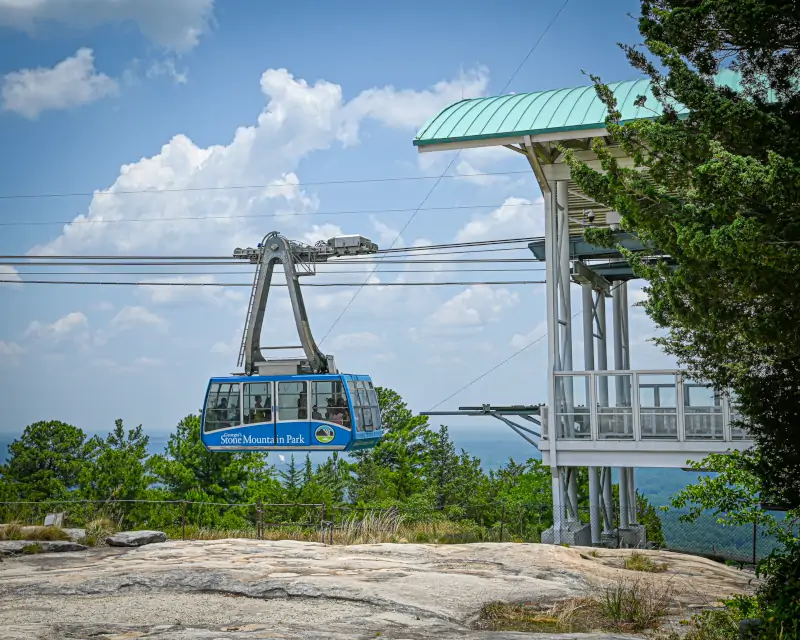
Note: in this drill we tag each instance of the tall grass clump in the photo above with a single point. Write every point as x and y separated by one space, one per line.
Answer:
635 605
640 562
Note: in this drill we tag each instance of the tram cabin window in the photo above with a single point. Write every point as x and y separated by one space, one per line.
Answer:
257 402
365 405
328 402
292 401
222 407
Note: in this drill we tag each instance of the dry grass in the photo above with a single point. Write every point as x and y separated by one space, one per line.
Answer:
370 528
16 531
627 605
641 562
570 616
11 531
97 531
636 605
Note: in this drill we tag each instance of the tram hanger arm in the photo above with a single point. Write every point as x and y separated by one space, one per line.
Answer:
275 248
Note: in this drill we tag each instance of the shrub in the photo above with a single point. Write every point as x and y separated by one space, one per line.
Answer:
11 531
46 533
635 605
97 531
641 562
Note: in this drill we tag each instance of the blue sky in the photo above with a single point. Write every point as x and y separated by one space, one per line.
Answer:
132 95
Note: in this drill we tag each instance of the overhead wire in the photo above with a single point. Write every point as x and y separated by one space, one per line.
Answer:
20 223
281 284
508 359
236 262
268 185
333 260
219 273
441 177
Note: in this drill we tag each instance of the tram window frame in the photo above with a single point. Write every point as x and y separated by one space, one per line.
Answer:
365 413
249 396
293 407
319 399
216 392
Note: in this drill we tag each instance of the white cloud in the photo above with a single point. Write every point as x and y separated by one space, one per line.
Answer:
474 306
321 232
138 364
7 272
358 340
211 293
516 218
221 347
298 119
10 349
522 340
73 326
145 362
176 24
484 160
167 68
387 235
407 109
73 82
133 317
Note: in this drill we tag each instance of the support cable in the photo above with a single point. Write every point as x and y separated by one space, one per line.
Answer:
441 177
511 357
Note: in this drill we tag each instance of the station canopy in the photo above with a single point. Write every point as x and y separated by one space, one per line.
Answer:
555 115
532 124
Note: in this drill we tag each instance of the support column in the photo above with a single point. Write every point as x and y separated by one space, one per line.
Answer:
602 348
602 401
557 487
608 503
624 507
626 343
594 504
632 496
554 349
572 492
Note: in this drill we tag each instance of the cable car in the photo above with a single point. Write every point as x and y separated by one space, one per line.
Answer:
290 404
291 413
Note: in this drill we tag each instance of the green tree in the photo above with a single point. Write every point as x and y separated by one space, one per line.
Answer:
308 471
392 468
46 462
188 466
722 199
119 468
292 479
334 474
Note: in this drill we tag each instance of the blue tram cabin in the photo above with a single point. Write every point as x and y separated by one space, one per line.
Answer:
326 412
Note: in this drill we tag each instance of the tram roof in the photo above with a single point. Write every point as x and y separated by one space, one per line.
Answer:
548 115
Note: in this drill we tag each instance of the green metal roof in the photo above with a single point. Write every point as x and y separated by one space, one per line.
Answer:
515 115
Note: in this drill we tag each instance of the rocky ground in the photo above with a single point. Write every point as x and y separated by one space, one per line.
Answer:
259 589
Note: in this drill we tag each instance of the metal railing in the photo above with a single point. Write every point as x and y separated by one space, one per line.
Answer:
640 405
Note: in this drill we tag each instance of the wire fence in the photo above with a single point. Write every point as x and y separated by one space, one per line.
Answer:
406 522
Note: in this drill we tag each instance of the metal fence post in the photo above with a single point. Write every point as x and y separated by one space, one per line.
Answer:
755 541
183 520
260 524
